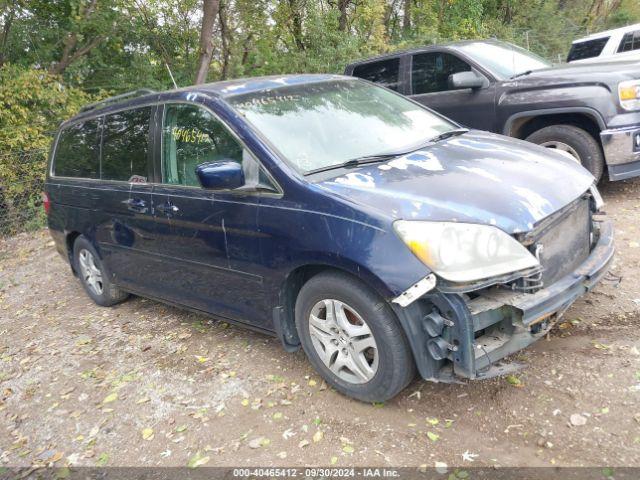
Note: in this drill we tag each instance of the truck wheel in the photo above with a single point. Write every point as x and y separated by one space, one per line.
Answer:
93 276
352 338
575 141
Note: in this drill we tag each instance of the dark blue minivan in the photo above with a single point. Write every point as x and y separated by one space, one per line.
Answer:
333 213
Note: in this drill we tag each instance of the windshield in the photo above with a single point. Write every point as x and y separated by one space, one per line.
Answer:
322 124
504 59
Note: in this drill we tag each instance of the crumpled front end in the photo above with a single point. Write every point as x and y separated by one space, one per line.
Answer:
464 331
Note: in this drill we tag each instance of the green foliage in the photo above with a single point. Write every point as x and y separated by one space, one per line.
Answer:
102 47
32 103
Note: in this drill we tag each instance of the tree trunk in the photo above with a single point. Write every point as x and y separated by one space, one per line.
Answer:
342 20
406 19
71 51
4 37
246 48
296 23
209 13
225 37
388 18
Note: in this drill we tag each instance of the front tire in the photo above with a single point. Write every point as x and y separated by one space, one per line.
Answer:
93 276
573 140
352 338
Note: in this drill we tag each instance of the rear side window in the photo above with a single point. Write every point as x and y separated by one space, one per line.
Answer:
191 136
77 151
385 72
630 41
587 49
430 71
125 145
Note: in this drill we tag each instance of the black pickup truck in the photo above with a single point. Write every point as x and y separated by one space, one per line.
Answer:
589 111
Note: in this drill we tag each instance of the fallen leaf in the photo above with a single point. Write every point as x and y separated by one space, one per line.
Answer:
318 436
62 473
513 380
102 460
181 428
577 420
467 456
198 459
432 421
348 449
303 443
277 416
434 437
245 402
441 467
312 383
147 434
142 400
112 397
259 442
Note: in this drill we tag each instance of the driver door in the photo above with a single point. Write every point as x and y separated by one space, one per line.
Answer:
473 108
207 240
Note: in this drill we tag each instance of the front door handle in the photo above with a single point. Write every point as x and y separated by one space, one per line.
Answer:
168 208
137 205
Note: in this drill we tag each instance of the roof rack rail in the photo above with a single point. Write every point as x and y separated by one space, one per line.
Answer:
117 98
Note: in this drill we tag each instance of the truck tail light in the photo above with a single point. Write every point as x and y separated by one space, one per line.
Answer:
46 202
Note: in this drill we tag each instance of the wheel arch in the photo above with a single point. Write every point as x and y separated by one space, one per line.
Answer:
523 124
284 312
70 240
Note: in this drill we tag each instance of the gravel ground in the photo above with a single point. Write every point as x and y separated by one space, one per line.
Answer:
147 384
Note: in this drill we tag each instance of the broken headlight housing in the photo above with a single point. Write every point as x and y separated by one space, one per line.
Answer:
464 252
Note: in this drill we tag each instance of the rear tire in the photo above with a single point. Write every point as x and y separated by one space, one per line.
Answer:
93 276
580 142
364 353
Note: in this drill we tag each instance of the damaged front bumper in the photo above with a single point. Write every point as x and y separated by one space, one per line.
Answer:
456 335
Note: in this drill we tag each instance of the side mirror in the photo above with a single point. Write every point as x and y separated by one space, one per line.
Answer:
220 175
462 80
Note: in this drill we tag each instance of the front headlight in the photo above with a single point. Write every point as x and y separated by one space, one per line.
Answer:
464 252
629 94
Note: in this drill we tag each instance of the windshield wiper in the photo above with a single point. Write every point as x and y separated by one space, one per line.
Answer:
355 162
448 134
521 74
381 157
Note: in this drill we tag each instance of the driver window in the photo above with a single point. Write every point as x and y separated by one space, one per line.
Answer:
190 136
430 71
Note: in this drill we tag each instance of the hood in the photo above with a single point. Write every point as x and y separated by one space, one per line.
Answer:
477 177
601 72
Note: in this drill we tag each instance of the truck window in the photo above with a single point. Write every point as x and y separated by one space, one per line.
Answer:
77 151
190 136
430 71
587 49
125 145
384 72
630 41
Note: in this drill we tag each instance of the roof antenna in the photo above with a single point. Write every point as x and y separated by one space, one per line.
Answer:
175 85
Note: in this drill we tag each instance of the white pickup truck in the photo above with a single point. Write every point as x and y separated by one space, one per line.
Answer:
621 44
